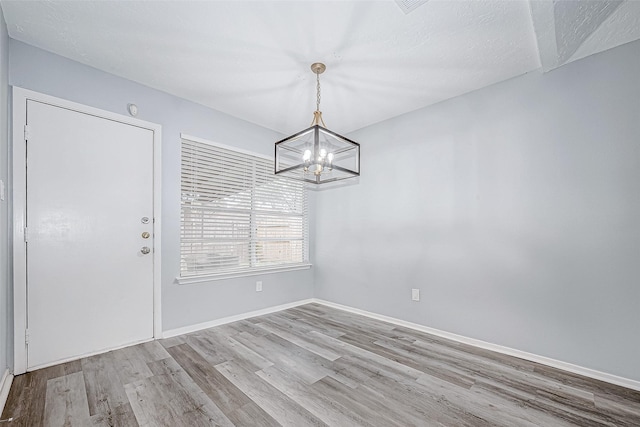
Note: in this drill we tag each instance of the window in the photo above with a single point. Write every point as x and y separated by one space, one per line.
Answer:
237 217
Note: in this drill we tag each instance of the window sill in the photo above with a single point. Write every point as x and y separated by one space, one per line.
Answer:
236 274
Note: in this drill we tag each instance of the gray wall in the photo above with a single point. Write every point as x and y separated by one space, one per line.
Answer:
182 305
514 209
6 309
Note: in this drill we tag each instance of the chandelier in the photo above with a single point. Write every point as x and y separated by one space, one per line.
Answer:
316 154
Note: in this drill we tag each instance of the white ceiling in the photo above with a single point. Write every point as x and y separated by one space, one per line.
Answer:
251 59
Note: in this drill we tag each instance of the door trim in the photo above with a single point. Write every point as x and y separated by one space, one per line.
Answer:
20 98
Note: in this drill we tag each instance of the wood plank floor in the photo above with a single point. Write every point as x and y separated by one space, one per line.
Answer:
312 366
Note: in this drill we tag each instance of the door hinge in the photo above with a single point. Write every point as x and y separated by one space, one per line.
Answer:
26 336
26 132
26 234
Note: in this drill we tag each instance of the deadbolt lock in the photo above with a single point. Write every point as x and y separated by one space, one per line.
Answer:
145 234
145 220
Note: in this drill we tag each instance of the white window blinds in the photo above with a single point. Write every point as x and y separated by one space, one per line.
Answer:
236 215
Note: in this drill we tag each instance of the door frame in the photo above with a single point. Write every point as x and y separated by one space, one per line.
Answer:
20 98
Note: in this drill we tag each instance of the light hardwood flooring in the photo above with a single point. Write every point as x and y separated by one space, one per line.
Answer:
312 366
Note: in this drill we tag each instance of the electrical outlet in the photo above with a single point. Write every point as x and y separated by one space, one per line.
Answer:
259 286
415 294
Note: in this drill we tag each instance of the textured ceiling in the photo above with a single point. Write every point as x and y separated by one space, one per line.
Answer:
570 30
251 59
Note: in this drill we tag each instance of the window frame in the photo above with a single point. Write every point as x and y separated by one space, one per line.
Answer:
251 271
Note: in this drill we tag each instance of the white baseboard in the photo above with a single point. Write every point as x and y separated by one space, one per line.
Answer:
200 326
587 372
5 386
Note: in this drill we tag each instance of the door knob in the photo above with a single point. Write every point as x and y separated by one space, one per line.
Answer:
145 250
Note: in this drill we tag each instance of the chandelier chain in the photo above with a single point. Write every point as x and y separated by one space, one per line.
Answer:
318 91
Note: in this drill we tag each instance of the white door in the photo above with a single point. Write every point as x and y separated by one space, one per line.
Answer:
89 190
